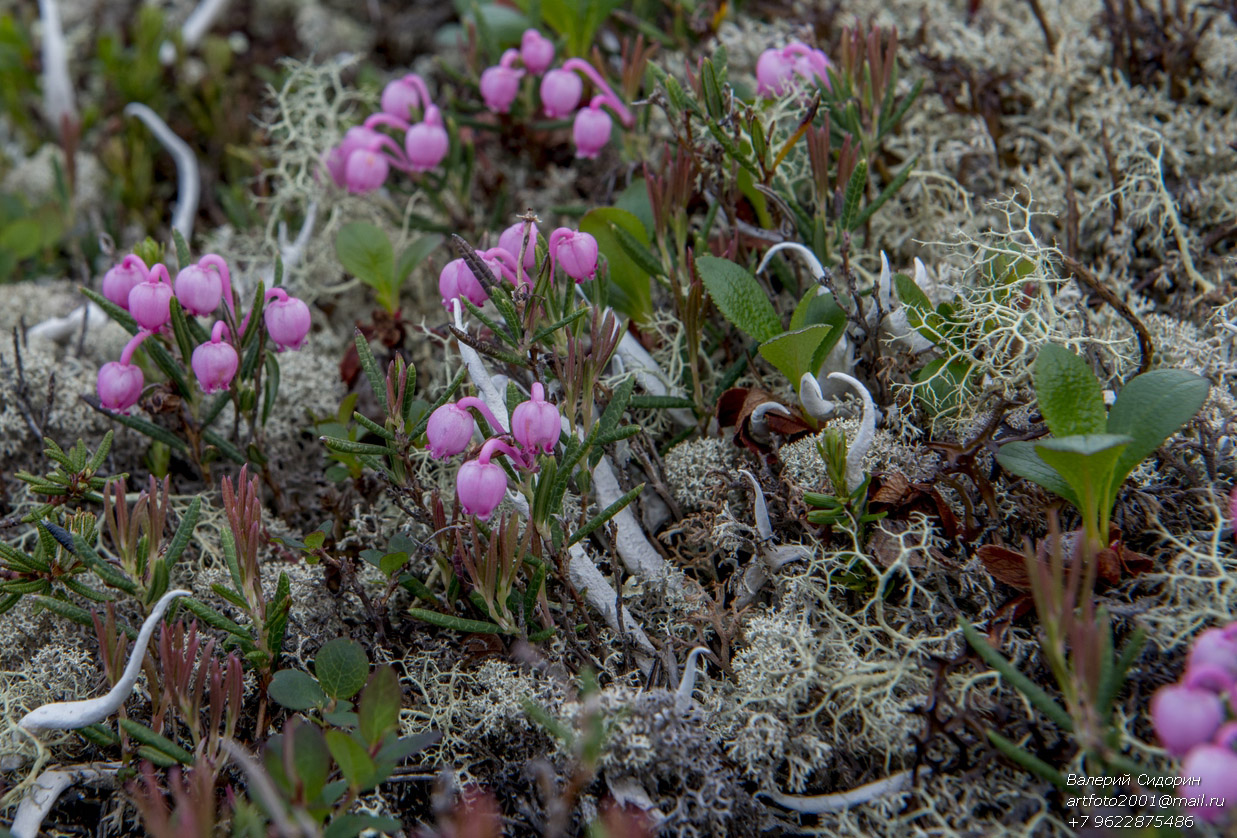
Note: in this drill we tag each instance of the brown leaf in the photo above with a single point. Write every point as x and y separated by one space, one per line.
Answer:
1005 565
893 488
735 407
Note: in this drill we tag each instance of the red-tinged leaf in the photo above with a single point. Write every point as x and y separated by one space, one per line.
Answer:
1005 565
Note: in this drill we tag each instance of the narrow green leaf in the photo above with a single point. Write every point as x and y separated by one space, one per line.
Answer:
111 575
546 331
162 744
854 194
605 515
1036 695
140 425
453 623
183 258
345 446
377 381
226 448
891 189
180 539
1027 760
660 402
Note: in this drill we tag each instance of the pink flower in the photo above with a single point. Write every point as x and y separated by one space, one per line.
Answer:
150 300
365 170
512 239
456 280
560 92
198 290
1214 647
776 68
120 383
1185 716
536 51
575 252
451 426
591 130
500 84
426 143
401 97
480 487
356 139
536 423
287 319
215 362
119 281
1214 770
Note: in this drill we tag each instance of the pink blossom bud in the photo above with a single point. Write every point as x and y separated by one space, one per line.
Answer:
499 87
119 281
512 239
591 130
150 300
456 280
336 160
365 170
536 423
480 487
400 98
575 252
287 319
1211 771
215 362
536 51
119 385
1185 716
198 290
426 143
449 431
560 93
813 66
1216 648
773 71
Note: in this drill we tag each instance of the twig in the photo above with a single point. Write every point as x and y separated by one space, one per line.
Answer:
189 188
1146 348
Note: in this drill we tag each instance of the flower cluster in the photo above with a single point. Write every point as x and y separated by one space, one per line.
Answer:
1194 720
776 69
362 161
560 90
576 252
480 483
200 288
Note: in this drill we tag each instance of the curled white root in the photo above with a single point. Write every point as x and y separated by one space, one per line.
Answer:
189 187
823 803
58 99
859 446
194 29
46 790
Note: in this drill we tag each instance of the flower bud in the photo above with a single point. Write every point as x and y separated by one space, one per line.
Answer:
480 487
575 252
560 93
119 385
400 98
426 143
119 281
512 239
287 319
1185 716
536 423
365 170
499 87
1215 647
150 300
449 431
456 280
1211 771
591 131
215 362
773 71
199 290
536 51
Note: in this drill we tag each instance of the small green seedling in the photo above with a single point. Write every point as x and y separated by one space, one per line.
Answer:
1092 451
365 252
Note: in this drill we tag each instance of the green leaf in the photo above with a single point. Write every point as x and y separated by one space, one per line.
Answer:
140 425
891 189
342 667
180 539
358 769
296 690
795 353
1068 393
378 709
377 381
311 760
454 623
365 252
1034 693
815 307
1020 458
631 284
1150 409
739 297
350 826
854 193
605 515
1086 462
414 254
1027 760
161 744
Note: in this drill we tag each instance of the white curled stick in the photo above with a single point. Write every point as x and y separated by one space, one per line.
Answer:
823 803
194 29
189 189
58 104
46 790
68 715
859 446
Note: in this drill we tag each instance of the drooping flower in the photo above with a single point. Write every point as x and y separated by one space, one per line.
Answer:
119 383
1185 715
402 96
287 319
1214 647
776 68
1211 771
450 427
480 484
591 130
198 290
560 93
536 51
575 252
119 280
536 423
512 239
150 300
500 84
215 362
427 143
456 280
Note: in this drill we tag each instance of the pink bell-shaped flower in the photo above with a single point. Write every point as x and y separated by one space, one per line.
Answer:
512 239
426 143
150 300
500 84
365 170
215 362
536 51
357 138
591 130
456 280
480 484
120 383
1216 648
1185 715
198 290
773 72
560 93
451 426
535 423
119 281
401 97
1211 771
287 319
575 252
